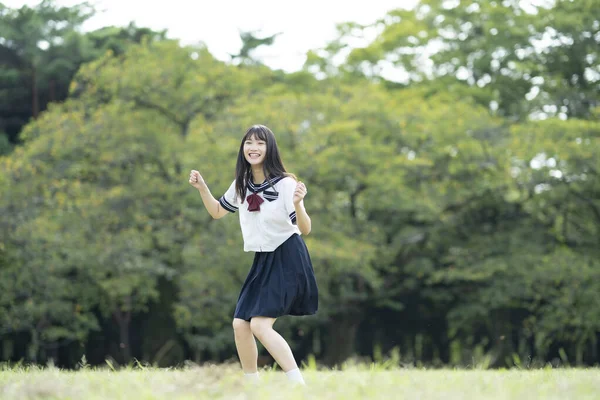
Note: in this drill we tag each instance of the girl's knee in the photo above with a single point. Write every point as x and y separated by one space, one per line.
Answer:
260 325
241 326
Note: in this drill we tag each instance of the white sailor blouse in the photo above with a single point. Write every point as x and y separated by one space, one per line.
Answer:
267 213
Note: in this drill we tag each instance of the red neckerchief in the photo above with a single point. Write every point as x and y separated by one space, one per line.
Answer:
254 200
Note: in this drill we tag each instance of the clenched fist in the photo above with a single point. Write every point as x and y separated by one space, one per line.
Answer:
196 179
299 193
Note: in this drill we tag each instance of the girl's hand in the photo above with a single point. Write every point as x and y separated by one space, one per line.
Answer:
299 193
196 179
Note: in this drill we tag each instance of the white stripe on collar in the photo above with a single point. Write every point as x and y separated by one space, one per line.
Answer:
259 188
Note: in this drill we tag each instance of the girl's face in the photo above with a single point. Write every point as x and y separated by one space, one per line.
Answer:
255 150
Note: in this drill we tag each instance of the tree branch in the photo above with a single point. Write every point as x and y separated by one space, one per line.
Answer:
588 201
162 110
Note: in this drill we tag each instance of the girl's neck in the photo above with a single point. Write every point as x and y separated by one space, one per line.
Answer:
258 175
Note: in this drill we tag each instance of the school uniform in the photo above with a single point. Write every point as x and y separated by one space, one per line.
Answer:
281 280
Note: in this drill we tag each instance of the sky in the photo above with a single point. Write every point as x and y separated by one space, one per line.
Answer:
304 25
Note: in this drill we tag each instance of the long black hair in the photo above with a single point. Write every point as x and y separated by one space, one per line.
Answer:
272 166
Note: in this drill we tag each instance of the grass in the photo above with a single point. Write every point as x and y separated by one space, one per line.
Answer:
352 382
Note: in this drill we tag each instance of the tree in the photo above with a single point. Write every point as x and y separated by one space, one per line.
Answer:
28 39
112 202
251 42
442 231
42 48
514 57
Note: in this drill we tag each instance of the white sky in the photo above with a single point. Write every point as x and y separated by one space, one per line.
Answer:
305 25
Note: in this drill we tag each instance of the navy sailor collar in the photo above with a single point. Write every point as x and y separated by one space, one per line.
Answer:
267 183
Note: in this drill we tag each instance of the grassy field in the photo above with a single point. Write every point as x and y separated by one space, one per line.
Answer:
225 382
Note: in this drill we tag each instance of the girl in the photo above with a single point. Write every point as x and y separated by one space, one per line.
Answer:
272 217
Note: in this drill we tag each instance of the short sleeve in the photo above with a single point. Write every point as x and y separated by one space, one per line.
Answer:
228 200
288 189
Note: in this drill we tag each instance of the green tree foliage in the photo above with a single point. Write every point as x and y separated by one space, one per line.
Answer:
250 42
443 227
31 43
502 53
108 201
41 49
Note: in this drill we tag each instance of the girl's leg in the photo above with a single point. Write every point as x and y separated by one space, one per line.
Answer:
246 346
262 328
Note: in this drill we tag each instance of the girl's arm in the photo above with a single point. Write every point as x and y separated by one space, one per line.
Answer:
212 205
302 219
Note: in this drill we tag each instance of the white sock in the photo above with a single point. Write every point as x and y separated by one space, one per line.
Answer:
295 376
252 377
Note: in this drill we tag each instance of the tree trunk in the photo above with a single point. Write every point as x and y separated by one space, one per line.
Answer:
124 339
34 346
595 356
8 349
502 347
341 339
123 319
35 101
52 91
439 338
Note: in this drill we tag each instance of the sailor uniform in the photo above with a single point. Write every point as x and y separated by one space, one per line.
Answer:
281 280
267 213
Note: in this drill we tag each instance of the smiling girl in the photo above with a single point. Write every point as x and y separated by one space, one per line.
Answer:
272 216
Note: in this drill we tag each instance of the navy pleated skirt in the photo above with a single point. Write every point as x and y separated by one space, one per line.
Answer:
281 282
